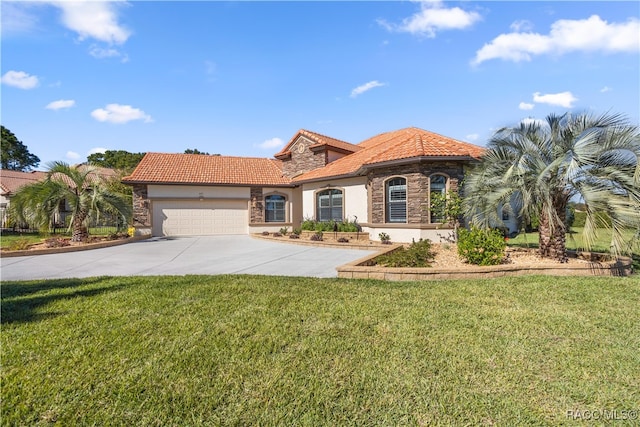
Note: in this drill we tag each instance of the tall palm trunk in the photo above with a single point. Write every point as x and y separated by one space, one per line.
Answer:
80 232
552 240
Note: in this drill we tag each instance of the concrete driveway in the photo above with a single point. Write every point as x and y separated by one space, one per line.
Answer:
184 255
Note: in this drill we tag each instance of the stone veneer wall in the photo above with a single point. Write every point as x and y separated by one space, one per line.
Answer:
141 214
305 161
257 206
417 176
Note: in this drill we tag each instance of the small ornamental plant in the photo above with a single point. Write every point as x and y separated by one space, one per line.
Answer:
384 238
418 254
480 246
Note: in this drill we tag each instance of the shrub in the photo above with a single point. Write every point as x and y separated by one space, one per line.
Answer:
317 237
481 246
297 231
56 242
20 244
384 238
328 226
418 254
284 231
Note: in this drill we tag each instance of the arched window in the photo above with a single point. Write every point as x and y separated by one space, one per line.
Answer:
437 189
274 208
396 200
329 205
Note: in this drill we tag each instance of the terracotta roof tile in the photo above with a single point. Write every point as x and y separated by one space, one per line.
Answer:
319 140
205 169
393 146
11 181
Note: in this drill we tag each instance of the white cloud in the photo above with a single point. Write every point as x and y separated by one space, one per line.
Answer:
522 25
365 87
434 17
16 18
526 106
588 35
60 104
272 143
605 89
72 155
472 137
101 53
562 99
94 19
20 79
116 113
96 150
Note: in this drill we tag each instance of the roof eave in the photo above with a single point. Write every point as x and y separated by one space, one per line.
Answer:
418 159
207 184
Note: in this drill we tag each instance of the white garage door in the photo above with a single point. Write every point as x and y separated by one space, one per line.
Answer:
199 218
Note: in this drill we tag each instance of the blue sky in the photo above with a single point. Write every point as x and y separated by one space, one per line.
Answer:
240 78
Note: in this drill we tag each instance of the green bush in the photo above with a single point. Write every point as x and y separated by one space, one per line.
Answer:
481 246
20 244
603 219
418 254
328 226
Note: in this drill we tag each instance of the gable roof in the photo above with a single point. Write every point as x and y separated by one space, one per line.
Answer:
318 140
409 144
163 168
11 181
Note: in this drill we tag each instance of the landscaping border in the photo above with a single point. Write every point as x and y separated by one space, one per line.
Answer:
73 248
364 268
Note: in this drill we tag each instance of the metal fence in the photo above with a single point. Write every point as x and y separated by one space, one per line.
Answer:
98 225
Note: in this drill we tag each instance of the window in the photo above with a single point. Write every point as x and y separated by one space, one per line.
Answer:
329 205
396 200
274 208
505 213
437 189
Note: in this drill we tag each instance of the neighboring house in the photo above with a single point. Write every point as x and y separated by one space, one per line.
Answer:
384 183
10 182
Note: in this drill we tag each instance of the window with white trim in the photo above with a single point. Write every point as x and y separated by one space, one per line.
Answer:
329 205
274 208
437 186
396 200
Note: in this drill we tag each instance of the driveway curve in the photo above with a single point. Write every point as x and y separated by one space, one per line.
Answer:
182 256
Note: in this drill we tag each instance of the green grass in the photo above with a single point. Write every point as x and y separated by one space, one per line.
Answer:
574 240
7 239
251 350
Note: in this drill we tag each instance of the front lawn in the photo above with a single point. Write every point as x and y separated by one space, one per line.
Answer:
251 350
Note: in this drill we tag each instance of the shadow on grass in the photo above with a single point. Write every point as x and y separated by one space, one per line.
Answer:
21 304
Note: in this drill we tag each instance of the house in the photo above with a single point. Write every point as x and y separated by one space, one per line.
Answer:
10 182
384 183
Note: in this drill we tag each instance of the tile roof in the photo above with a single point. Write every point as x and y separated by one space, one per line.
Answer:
206 169
11 181
403 144
319 141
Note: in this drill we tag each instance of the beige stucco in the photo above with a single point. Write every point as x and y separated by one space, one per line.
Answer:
354 197
197 192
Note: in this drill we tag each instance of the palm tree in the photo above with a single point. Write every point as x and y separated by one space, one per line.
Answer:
82 189
540 165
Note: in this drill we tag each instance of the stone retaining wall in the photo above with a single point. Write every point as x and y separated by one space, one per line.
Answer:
365 268
334 236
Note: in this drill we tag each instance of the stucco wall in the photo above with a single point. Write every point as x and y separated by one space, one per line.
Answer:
197 191
354 197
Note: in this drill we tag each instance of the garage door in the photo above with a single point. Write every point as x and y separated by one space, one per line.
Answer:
199 218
